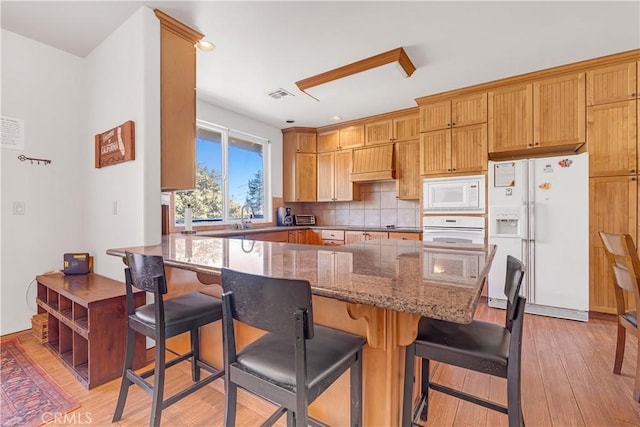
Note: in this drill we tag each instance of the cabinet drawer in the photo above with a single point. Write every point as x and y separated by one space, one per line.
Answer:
332 242
332 235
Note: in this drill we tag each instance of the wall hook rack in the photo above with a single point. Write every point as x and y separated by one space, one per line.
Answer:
23 158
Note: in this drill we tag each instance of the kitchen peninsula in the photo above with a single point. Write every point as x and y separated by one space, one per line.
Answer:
378 289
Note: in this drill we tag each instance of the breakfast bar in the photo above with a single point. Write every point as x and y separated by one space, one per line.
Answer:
378 289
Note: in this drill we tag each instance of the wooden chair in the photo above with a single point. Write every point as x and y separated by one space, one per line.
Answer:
295 361
625 275
480 346
161 320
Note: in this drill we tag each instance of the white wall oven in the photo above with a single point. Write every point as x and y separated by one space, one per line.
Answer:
465 194
453 229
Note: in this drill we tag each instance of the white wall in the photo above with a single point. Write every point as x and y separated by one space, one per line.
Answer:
219 116
65 100
44 86
123 83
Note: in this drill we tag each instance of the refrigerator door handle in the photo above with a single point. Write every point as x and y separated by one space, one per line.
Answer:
532 221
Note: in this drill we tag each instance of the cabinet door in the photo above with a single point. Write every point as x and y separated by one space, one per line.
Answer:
611 84
305 177
469 110
469 149
289 159
406 128
559 115
328 141
613 207
353 237
306 142
178 111
301 236
293 236
435 116
326 174
314 237
408 182
352 136
611 138
510 118
379 132
375 235
345 190
435 152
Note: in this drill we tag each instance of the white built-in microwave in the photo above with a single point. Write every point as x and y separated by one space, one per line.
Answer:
464 194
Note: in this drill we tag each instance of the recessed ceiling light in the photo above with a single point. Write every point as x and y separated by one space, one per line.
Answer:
291 121
336 118
205 45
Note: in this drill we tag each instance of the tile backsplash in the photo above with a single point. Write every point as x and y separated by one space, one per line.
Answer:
378 207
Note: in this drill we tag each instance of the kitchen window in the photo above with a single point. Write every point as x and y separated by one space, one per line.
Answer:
231 171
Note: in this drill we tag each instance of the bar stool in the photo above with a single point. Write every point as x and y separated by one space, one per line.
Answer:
624 269
480 346
161 320
295 361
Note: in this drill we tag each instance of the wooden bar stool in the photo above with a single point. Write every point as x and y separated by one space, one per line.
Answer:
624 268
161 320
480 346
295 361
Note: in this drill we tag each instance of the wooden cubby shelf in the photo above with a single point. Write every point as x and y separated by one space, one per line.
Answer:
87 324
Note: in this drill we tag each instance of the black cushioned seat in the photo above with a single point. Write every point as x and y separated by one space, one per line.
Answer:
480 346
160 320
295 361
630 317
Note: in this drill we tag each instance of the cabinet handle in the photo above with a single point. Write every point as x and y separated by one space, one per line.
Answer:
633 179
448 170
454 169
448 125
633 95
453 124
633 171
537 143
530 145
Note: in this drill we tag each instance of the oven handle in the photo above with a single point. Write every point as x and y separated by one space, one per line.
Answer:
454 230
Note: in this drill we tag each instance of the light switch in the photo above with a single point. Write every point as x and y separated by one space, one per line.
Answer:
19 208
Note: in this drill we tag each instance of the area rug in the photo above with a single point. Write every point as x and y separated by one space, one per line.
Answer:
28 395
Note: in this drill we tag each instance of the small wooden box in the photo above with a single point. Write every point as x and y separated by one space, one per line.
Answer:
39 327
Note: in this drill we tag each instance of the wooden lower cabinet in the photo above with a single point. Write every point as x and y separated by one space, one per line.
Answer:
298 236
87 324
361 236
613 207
272 236
399 235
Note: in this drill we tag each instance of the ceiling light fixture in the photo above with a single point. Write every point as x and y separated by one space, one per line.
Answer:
336 118
395 55
205 45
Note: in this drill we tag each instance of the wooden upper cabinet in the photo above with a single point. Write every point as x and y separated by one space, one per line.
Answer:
612 138
378 132
559 113
462 111
298 168
326 177
510 118
305 177
406 128
408 181
469 110
435 116
306 142
177 103
402 128
612 84
435 152
328 141
334 169
613 207
351 136
469 149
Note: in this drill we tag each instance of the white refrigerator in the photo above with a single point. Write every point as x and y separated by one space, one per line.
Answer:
539 213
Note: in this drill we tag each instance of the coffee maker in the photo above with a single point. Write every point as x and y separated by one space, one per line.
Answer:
284 216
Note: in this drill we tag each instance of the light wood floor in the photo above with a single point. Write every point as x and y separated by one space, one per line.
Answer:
567 381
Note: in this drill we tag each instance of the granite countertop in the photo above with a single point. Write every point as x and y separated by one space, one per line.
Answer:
438 281
256 230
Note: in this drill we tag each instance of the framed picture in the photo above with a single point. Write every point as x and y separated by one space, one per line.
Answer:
116 145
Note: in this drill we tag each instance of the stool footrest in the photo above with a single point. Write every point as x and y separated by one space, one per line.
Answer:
193 387
468 397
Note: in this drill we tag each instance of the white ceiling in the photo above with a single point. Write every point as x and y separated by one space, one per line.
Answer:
262 46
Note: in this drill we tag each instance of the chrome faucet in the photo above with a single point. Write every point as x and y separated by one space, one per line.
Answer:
243 223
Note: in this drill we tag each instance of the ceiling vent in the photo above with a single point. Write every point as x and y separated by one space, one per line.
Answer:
279 94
